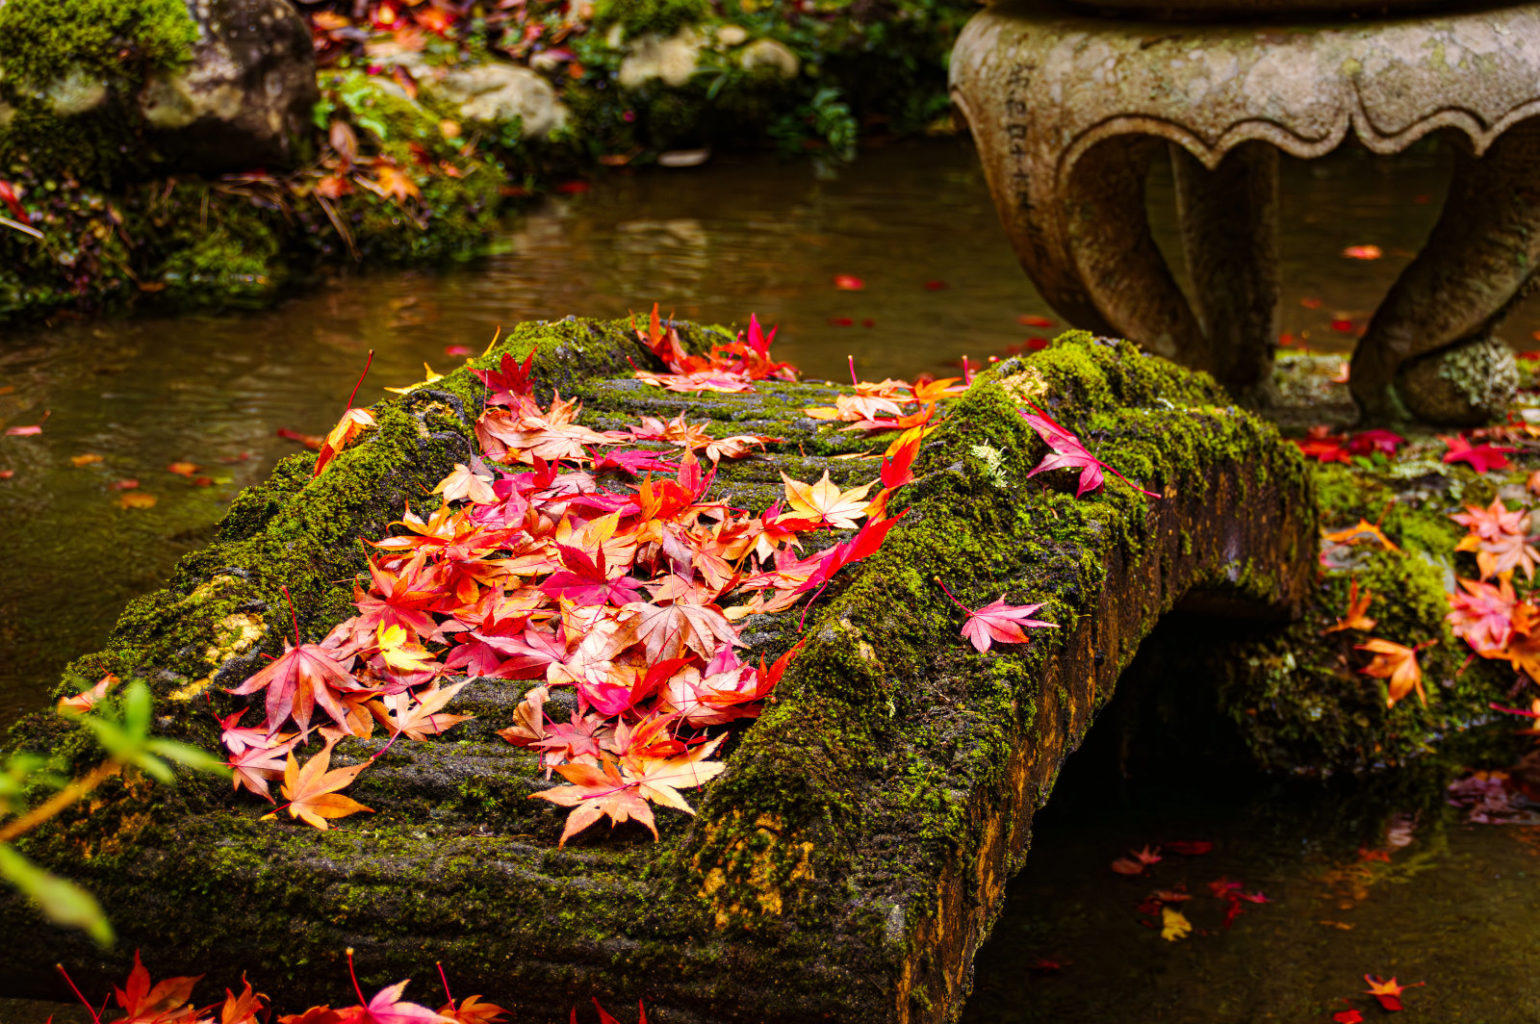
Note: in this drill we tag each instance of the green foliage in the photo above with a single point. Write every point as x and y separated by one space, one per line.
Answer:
124 732
825 117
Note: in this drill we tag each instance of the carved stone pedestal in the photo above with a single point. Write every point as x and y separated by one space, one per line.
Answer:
1068 108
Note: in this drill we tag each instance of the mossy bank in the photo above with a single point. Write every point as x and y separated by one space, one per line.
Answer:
417 142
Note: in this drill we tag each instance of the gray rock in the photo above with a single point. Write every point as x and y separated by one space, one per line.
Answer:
767 53
245 99
1464 386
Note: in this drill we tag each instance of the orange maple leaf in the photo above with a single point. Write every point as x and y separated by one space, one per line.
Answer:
353 423
312 790
1397 664
1363 528
1357 606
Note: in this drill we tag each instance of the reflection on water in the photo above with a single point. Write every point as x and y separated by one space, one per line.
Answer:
1456 907
914 222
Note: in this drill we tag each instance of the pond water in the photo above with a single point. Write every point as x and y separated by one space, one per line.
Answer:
1380 879
125 399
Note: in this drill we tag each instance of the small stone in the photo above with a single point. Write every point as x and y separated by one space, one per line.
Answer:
732 35
75 93
767 53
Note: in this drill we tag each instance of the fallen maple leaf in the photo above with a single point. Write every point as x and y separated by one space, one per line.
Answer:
1188 847
312 790
1348 1017
1067 452
1397 664
1174 924
1499 538
1363 528
87 459
1362 252
997 621
86 699
825 503
136 499
1482 457
1357 606
353 423
1387 992
186 469
163 1003
296 682
848 283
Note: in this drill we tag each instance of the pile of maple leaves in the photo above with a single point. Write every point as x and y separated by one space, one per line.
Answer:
593 560
1486 612
169 1001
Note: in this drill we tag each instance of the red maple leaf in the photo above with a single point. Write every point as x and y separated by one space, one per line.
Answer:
1481 457
299 680
164 1003
997 621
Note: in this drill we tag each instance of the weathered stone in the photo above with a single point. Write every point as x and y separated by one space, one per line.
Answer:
499 93
732 35
1466 385
671 59
244 102
769 53
1068 111
868 821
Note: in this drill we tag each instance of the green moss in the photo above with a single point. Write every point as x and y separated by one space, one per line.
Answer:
56 54
664 17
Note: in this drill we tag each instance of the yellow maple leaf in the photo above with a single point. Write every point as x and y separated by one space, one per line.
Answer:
1174 924
824 502
430 378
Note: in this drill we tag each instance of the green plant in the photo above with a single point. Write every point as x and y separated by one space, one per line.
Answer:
124 733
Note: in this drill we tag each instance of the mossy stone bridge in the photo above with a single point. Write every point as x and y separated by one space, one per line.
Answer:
853 856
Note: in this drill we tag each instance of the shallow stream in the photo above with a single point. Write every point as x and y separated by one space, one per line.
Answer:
915 224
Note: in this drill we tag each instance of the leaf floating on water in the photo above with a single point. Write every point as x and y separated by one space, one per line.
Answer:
1388 993
85 459
1362 252
848 283
1174 924
136 499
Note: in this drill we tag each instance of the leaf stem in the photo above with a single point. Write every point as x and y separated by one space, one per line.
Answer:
444 980
95 1019
354 975
953 596
367 363
293 615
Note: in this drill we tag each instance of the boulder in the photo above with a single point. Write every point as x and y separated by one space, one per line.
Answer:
244 101
671 59
209 87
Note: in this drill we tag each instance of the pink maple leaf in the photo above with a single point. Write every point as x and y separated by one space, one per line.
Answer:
997 621
1067 452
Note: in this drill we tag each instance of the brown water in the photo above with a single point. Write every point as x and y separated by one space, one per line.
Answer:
714 244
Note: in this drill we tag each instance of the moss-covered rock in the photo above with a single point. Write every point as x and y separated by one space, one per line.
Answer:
867 821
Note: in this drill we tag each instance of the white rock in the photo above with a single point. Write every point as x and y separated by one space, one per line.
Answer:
767 53
651 56
75 93
732 35
500 92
